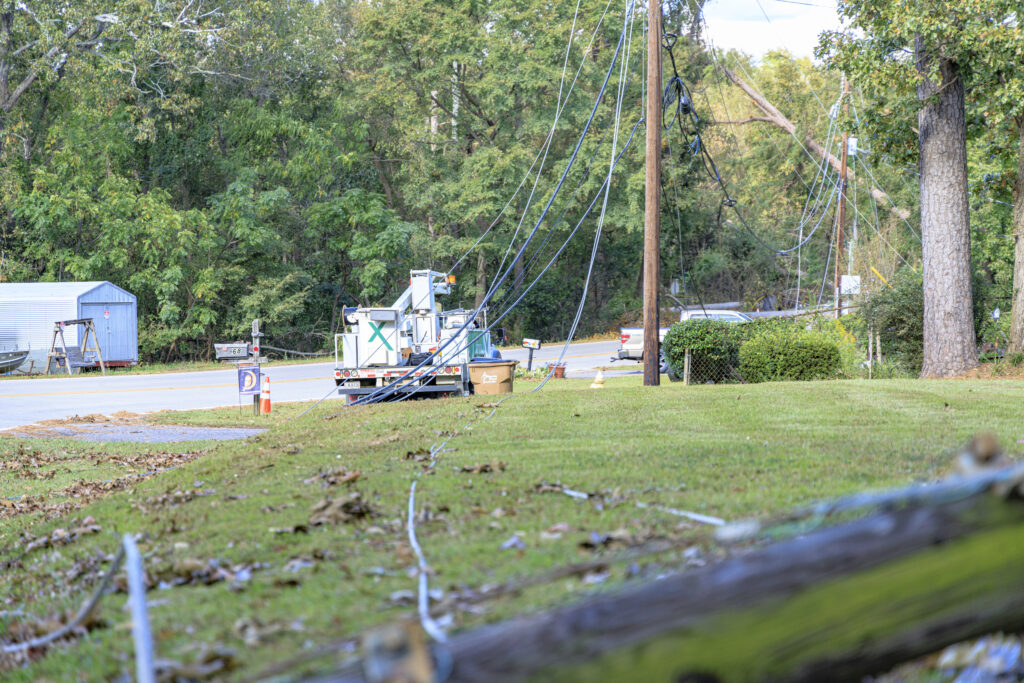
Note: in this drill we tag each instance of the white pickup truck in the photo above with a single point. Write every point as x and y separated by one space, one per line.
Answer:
631 339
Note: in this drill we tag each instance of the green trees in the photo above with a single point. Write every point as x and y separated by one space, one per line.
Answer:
284 160
939 49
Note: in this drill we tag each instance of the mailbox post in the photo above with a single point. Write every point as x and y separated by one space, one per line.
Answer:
247 357
255 359
531 345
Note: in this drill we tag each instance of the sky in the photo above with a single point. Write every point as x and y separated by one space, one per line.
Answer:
741 24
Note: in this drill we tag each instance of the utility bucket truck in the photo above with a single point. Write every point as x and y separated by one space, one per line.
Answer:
382 345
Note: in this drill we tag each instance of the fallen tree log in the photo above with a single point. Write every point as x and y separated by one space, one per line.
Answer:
774 116
835 604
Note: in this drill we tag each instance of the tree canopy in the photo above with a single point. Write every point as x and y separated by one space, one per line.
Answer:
283 160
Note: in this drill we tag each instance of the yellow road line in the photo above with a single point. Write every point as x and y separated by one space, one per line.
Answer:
141 389
325 378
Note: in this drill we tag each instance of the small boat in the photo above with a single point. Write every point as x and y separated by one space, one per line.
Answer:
11 359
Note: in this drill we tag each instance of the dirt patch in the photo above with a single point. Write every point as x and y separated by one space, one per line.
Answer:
997 370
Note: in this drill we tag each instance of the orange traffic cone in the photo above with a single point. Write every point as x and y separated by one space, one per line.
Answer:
265 396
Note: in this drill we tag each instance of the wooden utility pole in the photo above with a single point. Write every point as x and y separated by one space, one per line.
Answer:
652 198
841 217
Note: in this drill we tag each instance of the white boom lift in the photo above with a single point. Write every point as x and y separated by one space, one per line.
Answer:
381 345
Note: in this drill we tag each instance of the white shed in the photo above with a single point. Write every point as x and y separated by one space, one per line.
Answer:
29 310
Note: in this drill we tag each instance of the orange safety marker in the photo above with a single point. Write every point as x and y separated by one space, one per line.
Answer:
265 396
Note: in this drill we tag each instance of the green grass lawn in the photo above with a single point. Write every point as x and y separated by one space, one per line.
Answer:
729 451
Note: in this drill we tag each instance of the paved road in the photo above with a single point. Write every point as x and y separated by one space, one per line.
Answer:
25 401
580 359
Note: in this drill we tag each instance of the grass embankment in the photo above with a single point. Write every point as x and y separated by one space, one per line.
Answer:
290 584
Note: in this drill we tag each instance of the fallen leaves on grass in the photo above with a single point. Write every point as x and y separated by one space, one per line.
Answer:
60 536
484 468
212 662
386 440
74 497
419 455
252 631
191 571
617 538
334 476
554 532
170 499
269 509
345 510
24 629
81 493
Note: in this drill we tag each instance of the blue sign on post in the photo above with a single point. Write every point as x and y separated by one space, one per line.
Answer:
248 380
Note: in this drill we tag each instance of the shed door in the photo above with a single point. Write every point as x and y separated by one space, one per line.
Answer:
116 333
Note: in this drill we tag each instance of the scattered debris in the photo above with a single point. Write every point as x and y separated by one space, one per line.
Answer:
695 516
190 571
514 543
617 538
546 487
253 632
212 662
341 510
334 476
484 468
554 532
170 499
61 536
419 455
407 598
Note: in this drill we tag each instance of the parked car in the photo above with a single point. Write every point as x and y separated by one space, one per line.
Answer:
631 339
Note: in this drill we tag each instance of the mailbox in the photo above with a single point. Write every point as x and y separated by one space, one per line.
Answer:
233 350
531 344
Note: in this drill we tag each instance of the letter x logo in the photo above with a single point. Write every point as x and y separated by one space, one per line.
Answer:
377 333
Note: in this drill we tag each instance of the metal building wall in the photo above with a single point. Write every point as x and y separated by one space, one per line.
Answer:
26 321
28 311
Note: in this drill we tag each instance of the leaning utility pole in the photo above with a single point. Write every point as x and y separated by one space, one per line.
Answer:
652 197
841 217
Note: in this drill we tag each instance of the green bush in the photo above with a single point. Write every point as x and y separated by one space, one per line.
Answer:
896 314
789 354
842 333
714 349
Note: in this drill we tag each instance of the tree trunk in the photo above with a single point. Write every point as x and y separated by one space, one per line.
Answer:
1017 314
949 340
481 278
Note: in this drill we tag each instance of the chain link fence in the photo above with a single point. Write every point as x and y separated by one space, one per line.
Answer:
699 368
